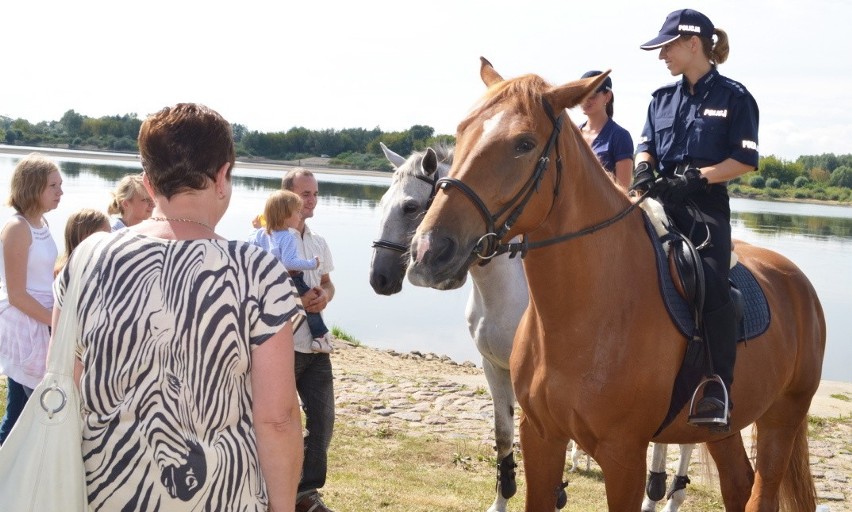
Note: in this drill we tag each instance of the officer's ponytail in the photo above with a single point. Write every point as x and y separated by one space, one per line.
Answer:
719 53
716 53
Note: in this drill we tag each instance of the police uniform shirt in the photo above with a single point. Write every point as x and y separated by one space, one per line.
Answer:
717 122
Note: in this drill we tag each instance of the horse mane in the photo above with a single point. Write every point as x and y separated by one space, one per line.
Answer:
442 150
527 90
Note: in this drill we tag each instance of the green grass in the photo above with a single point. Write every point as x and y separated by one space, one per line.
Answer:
841 396
383 469
342 335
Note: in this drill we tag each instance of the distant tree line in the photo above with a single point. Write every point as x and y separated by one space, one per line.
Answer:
351 147
822 177
826 176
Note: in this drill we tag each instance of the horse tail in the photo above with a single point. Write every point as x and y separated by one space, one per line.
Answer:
797 486
708 467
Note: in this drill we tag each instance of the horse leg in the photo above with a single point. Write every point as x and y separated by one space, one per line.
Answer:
576 453
623 465
544 462
503 397
677 491
656 487
736 476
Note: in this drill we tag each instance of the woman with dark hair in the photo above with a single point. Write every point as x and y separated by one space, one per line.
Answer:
185 359
27 256
701 131
611 143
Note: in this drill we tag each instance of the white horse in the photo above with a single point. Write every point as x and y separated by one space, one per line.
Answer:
498 299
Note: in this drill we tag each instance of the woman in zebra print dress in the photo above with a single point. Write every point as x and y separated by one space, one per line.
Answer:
185 343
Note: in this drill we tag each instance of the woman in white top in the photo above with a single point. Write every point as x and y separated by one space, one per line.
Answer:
131 203
26 279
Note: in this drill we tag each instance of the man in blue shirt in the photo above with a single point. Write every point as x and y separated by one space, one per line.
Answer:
700 132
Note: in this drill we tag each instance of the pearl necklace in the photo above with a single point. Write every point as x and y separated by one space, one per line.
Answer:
179 219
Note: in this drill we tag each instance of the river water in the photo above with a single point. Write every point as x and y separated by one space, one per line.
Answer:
818 238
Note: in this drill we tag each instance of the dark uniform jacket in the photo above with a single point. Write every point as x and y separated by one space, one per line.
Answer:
718 122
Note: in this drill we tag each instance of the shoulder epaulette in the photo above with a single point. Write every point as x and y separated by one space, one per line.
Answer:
733 85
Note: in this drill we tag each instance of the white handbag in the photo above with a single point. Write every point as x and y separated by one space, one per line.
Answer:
41 462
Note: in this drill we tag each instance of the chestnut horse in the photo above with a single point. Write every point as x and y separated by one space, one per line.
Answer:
497 301
596 353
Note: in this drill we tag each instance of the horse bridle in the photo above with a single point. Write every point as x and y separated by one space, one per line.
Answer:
393 246
488 246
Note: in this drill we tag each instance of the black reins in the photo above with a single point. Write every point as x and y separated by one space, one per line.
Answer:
488 246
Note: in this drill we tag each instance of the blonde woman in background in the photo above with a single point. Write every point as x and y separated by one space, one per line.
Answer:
79 226
131 203
26 278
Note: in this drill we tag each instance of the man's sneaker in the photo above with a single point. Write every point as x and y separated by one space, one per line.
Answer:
311 503
322 345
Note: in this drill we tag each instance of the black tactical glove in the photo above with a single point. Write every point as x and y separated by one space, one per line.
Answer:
676 189
643 177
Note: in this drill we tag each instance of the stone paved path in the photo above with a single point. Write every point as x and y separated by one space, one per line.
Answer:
430 394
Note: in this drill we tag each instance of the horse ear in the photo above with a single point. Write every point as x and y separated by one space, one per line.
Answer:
573 93
429 162
392 157
487 73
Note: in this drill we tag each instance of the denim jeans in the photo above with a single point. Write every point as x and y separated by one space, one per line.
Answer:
16 399
315 322
315 384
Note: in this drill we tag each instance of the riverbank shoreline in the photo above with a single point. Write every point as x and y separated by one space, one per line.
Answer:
241 163
426 394
313 164
386 396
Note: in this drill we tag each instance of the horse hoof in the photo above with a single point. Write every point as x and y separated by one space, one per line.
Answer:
656 487
562 497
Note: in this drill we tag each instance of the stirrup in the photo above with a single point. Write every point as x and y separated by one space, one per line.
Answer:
715 423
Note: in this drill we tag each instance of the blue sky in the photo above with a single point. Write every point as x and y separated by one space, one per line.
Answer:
391 64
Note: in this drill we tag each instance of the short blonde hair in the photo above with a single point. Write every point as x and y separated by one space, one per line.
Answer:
280 206
29 180
127 189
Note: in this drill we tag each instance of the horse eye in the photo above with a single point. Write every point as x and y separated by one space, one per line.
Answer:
409 208
525 146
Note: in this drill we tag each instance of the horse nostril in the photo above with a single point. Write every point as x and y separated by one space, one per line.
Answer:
439 253
447 251
378 281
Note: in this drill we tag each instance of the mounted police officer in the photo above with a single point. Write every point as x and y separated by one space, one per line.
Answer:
700 132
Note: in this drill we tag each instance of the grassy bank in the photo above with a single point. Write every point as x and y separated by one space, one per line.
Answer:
395 471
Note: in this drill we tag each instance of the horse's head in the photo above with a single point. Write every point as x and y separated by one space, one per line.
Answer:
505 176
403 207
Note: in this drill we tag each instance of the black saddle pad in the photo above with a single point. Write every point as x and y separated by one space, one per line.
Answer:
755 315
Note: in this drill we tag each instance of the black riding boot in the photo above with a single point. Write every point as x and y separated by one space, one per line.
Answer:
720 328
